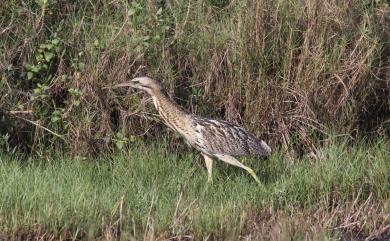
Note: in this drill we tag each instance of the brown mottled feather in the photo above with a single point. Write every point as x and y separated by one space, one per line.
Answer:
221 137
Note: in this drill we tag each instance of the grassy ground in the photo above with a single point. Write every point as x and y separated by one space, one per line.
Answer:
151 192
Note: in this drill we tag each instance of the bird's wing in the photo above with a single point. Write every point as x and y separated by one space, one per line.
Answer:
221 137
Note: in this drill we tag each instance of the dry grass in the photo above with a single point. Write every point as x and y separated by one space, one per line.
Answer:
290 71
293 72
350 222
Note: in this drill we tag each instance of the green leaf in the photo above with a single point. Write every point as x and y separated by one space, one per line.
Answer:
37 91
41 3
75 92
28 66
49 46
131 11
55 41
39 56
81 66
48 56
119 144
55 119
30 75
35 68
132 138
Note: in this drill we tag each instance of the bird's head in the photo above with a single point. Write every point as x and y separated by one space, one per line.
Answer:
143 83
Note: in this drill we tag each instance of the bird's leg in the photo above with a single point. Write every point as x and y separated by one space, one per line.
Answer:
233 161
209 166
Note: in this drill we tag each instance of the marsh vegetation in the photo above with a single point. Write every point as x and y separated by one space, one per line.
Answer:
80 160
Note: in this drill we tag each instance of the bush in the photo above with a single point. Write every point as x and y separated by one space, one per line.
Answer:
290 71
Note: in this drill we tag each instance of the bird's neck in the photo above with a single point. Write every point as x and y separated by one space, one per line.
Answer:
174 116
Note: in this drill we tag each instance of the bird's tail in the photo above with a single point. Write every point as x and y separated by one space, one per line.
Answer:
265 148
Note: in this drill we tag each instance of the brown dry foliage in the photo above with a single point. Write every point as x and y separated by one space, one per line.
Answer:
290 71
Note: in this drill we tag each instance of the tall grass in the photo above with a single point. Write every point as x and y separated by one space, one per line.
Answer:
148 193
290 71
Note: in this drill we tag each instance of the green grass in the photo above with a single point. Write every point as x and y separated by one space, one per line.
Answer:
166 194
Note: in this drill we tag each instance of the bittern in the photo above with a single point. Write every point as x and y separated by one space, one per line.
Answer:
213 138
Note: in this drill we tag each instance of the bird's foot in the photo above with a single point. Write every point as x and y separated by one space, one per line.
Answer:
253 174
209 180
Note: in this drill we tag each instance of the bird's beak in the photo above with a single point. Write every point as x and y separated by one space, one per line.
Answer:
133 83
127 84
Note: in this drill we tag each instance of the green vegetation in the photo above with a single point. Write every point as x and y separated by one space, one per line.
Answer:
148 191
293 72
290 71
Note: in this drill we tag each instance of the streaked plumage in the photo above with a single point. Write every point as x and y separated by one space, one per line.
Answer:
222 137
213 138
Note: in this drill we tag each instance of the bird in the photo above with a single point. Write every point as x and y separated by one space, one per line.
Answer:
215 139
